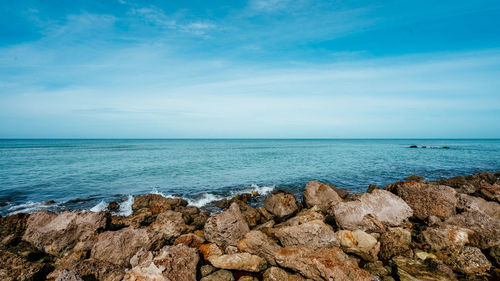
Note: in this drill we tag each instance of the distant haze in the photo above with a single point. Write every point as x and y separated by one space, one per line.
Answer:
249 69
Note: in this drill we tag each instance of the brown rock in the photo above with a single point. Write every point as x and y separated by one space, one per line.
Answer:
442 237
470 203
239 261
281 204
226 228
495 255
134 220
303 217
177 262
113 206
278 274
69 275
170 224
365 213
411 269
320 194
57 233
257 243
16 268
414 177
12 229
313 234
89 269
426 199
251 215
396 241
190 240
219 275
465 259
376 268
210 249
206 269
117 247
360 243
486 229
156 203
321 264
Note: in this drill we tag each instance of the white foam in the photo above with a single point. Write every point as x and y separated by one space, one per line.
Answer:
204 199
99 207
30 207
126 207
261 190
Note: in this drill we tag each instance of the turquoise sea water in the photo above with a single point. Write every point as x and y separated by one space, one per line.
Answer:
90 173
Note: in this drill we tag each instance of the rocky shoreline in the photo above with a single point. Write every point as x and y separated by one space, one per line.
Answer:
409 230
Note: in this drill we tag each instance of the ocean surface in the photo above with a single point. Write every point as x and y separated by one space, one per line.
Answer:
88 174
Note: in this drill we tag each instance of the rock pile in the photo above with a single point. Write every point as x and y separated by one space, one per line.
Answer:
409 230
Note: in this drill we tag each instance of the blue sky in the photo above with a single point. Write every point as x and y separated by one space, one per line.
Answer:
256 68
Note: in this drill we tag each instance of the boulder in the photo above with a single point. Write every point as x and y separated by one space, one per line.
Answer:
303 217
226 228
494 253
16 268
415 177
471 203
465 259
442 237
239 261
251 215
278 274
377 268
156 203
56 233
427 199
12 229
483 184
134 220
320 194
190 240
281 204
360 243
219 275
207 269
88 269
395 241
69 275
428 270
257 243
314 234
169 224
486 229
364 214
210 249
321 264
117 247
145 272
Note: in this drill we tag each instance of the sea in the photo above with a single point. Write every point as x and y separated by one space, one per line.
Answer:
87 174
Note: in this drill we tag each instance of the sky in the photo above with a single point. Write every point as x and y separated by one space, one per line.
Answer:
249 69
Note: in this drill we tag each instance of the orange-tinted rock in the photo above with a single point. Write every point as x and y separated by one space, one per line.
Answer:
190 240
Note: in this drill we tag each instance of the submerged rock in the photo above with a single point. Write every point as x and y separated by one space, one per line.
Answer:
281 204
321 264
226 228
382 205
426 199
56 233
314 234
320 194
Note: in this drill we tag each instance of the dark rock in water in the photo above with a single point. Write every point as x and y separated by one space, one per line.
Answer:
281 204
465 259
372 187
223 203
413 146
426 199
423 146
156 203
49 202
473 184
113 206
446 147
226 228
414 177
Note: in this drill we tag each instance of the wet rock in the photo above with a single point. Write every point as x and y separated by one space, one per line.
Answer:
16 268
117 247
190 240
12 229
279 274
442 237
320 194
413 146
465 259
321 264
170 224
220 275
486 229
226 228
257 243
426 199
360 243
411 269
471 203
414 177
395 241
113 206
69 275
56 233
281 204
313 234
251 215
239 261
210 249
382 205
156 203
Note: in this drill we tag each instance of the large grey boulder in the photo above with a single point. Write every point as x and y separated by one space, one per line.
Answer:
381 205
226 228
